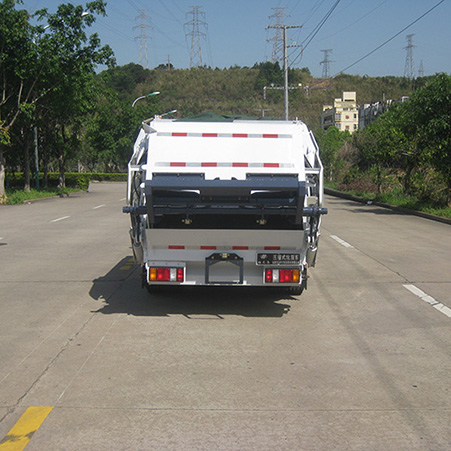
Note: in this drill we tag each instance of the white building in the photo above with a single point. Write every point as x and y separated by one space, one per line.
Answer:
343 114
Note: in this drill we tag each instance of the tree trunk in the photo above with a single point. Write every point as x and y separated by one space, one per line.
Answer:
379 178
26 169
407 180
62 159
46 167
2 171
62 176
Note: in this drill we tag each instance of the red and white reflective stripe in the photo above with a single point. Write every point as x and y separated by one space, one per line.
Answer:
223 135
214 164
209 247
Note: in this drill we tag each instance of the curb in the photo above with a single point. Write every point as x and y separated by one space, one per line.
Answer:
408 211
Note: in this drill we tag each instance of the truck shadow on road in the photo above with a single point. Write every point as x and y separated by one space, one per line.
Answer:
366 207
120 291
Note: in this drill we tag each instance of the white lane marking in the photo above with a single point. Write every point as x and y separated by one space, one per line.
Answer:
99 206
124 198
342 242
429 299
60 219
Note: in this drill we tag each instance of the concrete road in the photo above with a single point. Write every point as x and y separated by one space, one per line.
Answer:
361 360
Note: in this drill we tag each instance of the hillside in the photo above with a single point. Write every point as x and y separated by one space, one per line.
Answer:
240 90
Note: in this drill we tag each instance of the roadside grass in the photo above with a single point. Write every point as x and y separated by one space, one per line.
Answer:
396 198
14 197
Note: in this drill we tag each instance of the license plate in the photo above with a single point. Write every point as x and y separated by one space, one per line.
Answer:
279 258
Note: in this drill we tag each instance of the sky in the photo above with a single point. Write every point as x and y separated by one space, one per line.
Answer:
235 32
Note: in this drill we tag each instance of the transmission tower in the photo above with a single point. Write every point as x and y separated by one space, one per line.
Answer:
277 39
421 69
325 62
143 38
409 70
194 25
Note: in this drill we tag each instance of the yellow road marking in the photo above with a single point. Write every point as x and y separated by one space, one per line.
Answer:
128 265
21 433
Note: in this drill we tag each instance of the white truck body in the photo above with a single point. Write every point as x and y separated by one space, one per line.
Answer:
225 203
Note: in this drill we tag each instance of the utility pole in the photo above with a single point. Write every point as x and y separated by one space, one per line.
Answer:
143 55
262 110
409 70
285 63
194 26
326 61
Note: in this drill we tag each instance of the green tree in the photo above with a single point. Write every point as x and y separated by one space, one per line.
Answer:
50 64
430 110
269 74
112 130
382 143
19 74
71 59
330 143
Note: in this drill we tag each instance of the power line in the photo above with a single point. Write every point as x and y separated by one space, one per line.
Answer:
357 20
320 25
312 11
316 30
390 39
163 4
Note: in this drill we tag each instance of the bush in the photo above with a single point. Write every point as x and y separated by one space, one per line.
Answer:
109 177
79 180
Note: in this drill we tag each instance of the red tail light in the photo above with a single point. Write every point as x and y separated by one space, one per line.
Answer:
286 275
166 274
268 275
282 275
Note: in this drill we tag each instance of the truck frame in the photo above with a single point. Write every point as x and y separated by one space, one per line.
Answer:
225 202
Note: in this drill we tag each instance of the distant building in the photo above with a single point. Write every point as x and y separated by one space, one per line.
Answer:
343 114
370 111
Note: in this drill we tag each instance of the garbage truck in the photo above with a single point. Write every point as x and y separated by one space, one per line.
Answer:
225 201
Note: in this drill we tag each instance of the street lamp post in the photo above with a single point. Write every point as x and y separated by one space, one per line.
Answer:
143 97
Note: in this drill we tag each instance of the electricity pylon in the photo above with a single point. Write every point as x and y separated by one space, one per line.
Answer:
409 69
143 55
194 26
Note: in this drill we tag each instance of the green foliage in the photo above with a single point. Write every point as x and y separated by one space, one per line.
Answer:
430 109
124 79
414 137
74 180
268 74
77 180
109 177
332 146
46 75
14 197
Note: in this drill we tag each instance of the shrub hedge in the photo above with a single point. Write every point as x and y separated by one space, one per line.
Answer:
78 180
